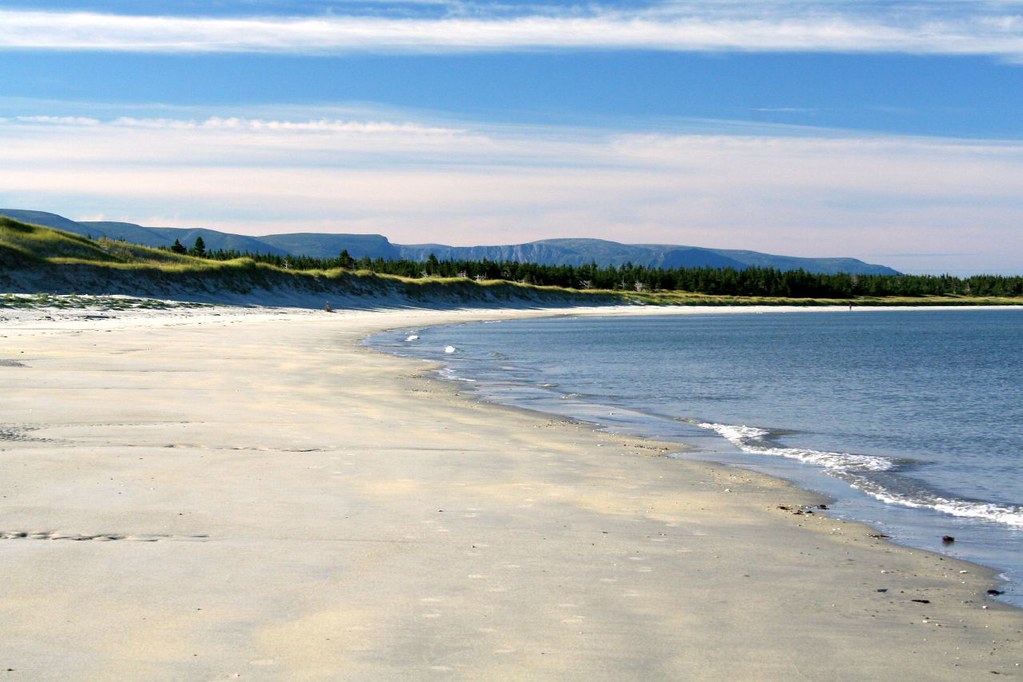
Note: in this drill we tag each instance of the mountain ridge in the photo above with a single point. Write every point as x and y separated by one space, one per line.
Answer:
558 251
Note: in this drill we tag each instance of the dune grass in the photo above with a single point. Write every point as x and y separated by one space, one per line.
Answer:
56 246
90 301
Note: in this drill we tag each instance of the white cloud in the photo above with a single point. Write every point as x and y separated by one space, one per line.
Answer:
955 28
256 125
817 195
68 120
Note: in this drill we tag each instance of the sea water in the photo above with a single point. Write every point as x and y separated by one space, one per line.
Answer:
909 420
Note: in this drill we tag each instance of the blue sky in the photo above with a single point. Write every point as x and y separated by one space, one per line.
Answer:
885 131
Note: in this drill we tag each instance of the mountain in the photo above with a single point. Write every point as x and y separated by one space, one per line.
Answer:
166 236
827 266
578 252
128 232
544 252
45 219
583 251
331 245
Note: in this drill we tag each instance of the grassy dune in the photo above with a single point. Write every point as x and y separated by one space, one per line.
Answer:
35 260
42 244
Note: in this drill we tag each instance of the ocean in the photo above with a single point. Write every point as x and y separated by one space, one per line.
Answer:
909 420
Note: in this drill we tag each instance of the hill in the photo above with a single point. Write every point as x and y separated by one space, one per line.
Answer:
36 259
578 252
165 236
545 252
330 245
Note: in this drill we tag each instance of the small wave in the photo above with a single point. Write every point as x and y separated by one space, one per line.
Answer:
450 374
450 349
857 470
1010 515
752 439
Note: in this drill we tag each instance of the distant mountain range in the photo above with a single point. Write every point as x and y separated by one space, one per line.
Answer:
545 252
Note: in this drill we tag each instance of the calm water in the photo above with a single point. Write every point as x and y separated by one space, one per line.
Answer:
909 420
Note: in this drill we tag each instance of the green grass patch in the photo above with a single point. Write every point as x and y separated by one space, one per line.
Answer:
90 302
56 246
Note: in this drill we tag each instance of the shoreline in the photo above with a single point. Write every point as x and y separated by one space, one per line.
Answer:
923 532
340 512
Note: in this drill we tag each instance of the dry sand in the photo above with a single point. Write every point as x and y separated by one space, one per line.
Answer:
256 496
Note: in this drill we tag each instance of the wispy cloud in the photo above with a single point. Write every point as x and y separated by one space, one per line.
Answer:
420 182
950 28
787 110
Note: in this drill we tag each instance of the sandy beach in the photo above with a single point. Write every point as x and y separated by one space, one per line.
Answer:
216 494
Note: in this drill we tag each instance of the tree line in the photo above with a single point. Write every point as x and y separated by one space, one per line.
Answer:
752 281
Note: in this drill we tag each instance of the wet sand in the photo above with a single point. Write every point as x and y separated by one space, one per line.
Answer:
257 496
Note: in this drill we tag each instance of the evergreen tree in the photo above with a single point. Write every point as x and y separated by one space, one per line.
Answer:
345 260
178 247
200 248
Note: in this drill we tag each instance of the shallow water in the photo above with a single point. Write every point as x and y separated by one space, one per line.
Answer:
910 420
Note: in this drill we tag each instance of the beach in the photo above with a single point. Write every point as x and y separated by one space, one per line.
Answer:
252 494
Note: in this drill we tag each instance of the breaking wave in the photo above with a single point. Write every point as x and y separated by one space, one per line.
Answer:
756 441
861 472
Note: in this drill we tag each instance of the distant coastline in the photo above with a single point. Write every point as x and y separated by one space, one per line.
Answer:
545 252
40 260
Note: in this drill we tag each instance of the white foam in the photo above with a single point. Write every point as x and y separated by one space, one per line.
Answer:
449 374
751 439
1008 514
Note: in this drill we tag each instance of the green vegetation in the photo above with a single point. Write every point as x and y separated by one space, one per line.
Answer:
34 258
79 301
684 298
31 243
769 283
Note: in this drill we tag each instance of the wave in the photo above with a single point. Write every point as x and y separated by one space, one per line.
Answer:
449 374
753 440
859 471
1010 515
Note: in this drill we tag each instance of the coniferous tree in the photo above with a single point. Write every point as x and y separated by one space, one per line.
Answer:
345 260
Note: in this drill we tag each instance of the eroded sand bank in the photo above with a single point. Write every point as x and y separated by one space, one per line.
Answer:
257 496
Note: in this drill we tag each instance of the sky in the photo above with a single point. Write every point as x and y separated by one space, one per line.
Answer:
886 131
